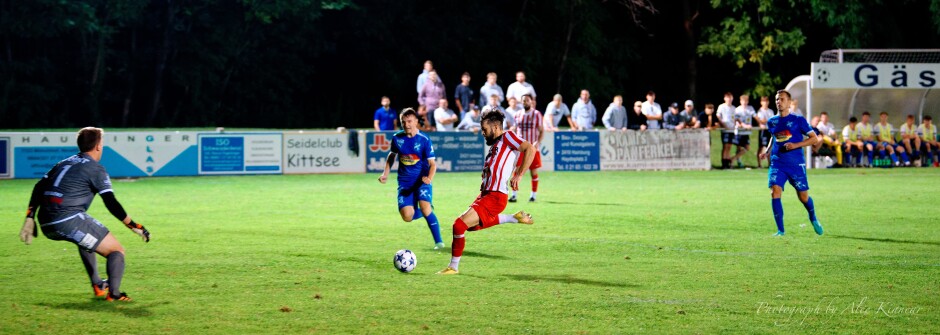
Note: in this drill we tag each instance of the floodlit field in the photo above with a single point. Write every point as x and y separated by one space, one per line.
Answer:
624 252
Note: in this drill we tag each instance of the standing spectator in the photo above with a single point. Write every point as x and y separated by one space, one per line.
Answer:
827 132
520 88
583 113
615 117
928 137
444 117
490 88
763 114
385 117
743 122
463 95
529 125
471 121
691 112
554 112
675 119
909 138
637 120
652 110
726 115
708 120
431 93
853 143
510 113
423 77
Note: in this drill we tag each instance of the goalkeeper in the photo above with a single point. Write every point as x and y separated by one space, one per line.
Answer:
62 197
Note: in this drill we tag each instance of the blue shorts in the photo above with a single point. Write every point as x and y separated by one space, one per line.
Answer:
796 175
410 195
873 143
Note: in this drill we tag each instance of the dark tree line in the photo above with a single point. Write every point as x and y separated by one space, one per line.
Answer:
322 63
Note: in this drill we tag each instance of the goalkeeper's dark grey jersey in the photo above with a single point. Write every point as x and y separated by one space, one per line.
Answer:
70 187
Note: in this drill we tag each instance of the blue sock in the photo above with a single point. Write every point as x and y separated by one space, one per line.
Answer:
810 209
905 158
778 212
916 153
858 158
435 227
417 214
894 158
871 157
881 153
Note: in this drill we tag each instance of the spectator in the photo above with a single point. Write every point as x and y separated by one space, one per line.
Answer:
854 146
385 117
867 132
827 131
583 113
471 121
708 120
554 112
795 108
726 115
520 88
743 122
494 104
637 120
510 113
909 138
424 120
490 88
615 117
691 112
928 137
763 114
431 93
463 95
675 119
652 110
444 117
423 77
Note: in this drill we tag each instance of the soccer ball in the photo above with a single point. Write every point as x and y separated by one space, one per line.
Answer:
405 260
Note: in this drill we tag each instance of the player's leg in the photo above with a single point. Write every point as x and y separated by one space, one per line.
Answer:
903 153
800 183
775 181
90 261
837 146
425 194
467 220
848 154
406 204
111 249
726 139
870 147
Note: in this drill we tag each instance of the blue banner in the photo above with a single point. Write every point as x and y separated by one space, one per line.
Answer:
244 153
577 151
455 151
222 154
4 157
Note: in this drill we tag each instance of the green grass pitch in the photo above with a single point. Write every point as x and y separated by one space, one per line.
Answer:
611 252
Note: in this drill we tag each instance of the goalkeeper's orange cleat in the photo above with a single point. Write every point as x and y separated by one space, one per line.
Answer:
100 289
122 297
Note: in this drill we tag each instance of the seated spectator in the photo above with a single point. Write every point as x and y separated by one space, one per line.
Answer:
471 121
636 120
827 132
615 117
674 119
444 117
554 112
510 113
385 117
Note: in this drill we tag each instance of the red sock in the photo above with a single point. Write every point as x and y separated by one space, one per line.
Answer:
535 181
460 228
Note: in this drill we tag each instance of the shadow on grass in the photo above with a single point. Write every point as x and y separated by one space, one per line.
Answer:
568 280
887 240
129 309
482 255
581 203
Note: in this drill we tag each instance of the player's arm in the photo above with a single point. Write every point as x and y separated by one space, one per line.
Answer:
812 140
767 149
110 201
388 166
375 124
29 224
541 132
528 154
432 169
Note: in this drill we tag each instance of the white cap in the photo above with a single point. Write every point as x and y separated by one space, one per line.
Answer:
689 103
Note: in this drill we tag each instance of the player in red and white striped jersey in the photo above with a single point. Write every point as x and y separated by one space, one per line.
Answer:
529 127
500 173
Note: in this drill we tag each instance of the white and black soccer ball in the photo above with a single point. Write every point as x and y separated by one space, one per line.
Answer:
822 74
405 260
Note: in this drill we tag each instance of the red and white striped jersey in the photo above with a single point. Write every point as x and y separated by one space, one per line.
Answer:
527 124
499 163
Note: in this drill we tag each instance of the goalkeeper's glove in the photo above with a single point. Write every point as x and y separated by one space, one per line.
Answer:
29 227
139 230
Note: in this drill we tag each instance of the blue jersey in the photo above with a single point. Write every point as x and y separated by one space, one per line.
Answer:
788 129
413 155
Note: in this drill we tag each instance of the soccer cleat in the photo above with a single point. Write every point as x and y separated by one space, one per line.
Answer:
448 271
532 199
512 199
779 233
122 297
101 289
817 227
439 246
523 217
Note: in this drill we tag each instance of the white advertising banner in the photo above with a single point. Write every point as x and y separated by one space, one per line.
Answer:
875 75
655 150
323 152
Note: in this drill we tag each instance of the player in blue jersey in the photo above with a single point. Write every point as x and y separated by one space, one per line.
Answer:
416 168
61 200
787 162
